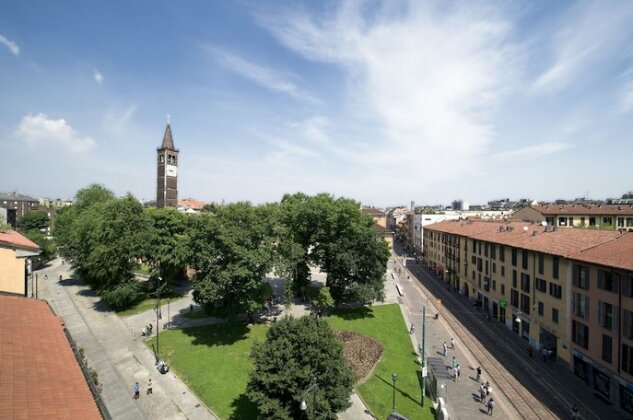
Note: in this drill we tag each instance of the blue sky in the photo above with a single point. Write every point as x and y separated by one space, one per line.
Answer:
383 102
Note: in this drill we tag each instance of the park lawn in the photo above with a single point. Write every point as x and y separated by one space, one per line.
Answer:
144 305
385 324
214 361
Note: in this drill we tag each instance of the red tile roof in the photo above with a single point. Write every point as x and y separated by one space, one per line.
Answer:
583 209
190 203
605 247
14 239
39 375
373 212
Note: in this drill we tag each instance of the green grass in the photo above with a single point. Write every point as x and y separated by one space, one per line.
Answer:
217 313
214 362
385 324
145 305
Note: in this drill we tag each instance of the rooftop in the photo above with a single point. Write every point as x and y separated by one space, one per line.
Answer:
39 375
603 247
584 209
13 239
13 196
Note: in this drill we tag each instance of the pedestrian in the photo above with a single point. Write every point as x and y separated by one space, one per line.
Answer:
137 390
151 327
45 276
149 387
491 405
453 343
455 374
459 371
453 363
445 347
412 329
488 389
482 394
478 373
60 277
191 307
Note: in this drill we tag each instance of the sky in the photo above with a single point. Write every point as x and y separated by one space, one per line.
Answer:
383 102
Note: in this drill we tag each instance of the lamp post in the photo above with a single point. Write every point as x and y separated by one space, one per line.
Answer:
423 355
313 389
394 378
158 280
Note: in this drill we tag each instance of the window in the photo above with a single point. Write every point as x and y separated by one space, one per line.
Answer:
607 220
479 261
479 247
524 258
582 221
562 221
627 359
606 315
592 221
494 267
514 278
514 298
620 222
503 289
502 253
494 285
486 246
503 271
627 289
487 284
541 308
627 324
580 334
555 315
541 285
607 348
514 257
486 267
525 282
493 251
608 280
525 304
581 277
580 305
555 267
541 263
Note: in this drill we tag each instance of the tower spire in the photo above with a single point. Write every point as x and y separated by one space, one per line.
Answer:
168 142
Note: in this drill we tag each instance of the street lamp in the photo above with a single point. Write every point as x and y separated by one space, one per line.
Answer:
313 389
160 364
394 378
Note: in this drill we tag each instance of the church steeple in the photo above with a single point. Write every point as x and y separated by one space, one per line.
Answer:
167 174
168 142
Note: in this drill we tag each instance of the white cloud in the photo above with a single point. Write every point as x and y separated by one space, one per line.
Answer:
531 152
588 32
263 76
39 130
427 81
12 46
626 101
98 76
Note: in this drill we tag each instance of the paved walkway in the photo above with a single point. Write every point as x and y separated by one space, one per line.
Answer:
117 354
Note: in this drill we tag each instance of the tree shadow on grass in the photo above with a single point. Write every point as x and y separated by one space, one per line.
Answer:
243 408
354 313
398 390
217 334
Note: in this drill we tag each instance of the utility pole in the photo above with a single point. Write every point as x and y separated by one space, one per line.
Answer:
423 355
158 319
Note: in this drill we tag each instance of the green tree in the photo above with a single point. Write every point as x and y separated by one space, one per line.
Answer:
324 300
296 354
231 251
34 220
47 246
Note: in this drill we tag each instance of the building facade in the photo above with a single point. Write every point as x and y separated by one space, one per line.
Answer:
19 203
562 290
15 265
167 173
602 216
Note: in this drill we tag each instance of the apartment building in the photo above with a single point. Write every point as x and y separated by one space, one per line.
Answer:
604 216
553 287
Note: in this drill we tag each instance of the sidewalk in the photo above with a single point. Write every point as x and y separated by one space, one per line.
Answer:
117 354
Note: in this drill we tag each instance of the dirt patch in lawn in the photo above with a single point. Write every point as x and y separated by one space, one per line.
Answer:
362 353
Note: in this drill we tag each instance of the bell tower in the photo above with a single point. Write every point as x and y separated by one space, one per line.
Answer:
167 174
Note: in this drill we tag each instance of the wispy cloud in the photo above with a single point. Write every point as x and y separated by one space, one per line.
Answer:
263 76
588 32
41 131
428 80
531 152
626 100
12 46
98 76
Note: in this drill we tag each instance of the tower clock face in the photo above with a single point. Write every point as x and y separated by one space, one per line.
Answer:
172 170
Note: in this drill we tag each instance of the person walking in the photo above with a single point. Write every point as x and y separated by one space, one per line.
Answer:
412 329
137 390
482 394
453 343
491 405
149 387
455 374
488 389
445 347
478 374
453 363
459 372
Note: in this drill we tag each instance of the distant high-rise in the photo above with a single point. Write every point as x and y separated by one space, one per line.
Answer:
167 175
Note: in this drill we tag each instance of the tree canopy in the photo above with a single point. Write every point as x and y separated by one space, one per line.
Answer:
297 354
34 220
